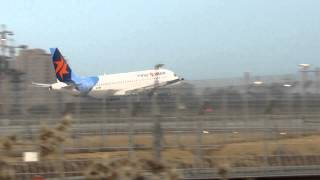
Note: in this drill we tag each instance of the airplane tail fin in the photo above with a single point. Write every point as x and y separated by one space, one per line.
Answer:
64 73
62 69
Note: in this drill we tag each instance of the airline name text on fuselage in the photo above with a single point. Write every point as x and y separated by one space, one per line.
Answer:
151 74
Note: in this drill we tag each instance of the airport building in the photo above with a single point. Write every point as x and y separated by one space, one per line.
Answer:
10 88
37 66
18 97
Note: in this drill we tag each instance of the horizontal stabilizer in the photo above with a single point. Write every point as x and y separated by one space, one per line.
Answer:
41 85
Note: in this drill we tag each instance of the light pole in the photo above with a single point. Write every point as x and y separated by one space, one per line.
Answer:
304 69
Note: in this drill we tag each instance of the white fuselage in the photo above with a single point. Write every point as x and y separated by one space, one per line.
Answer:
132 82
128 83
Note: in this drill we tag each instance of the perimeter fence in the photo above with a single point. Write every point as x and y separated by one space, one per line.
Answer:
241 130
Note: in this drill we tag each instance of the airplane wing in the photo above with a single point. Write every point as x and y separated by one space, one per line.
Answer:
41 85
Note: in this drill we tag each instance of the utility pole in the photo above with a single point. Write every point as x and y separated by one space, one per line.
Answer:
317 74
157 128
245 97
8 51
3 48
3 39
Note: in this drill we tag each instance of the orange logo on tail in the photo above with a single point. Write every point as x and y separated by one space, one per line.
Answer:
61 67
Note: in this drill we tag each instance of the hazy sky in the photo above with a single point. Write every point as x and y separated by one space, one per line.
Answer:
199 39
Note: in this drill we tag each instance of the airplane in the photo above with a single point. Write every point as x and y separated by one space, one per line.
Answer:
109 85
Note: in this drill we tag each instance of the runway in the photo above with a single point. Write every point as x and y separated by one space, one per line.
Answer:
176 125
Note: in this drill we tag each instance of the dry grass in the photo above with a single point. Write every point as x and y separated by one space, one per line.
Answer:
51 139
6 171
242 154
307 145
235 150
146 141
125 169
237 153
239 148
7 144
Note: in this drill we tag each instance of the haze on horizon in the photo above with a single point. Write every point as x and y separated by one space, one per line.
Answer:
197 39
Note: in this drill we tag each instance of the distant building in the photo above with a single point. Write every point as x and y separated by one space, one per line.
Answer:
11 81
37 66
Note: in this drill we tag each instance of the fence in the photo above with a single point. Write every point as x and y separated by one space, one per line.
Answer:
245 130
